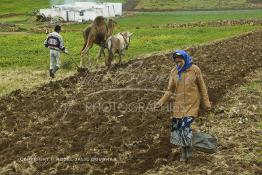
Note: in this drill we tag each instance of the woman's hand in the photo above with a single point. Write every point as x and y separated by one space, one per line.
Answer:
209 108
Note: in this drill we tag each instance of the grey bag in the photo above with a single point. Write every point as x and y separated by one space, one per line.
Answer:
204 142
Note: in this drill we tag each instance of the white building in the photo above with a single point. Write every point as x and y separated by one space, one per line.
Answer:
83 11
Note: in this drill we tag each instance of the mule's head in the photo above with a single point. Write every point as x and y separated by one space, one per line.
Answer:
127 36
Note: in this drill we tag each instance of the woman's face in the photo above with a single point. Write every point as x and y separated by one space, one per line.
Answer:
180 61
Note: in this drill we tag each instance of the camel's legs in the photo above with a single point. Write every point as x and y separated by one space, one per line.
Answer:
82 55
88 46
84 46
120 59
101 51
81 61
110 58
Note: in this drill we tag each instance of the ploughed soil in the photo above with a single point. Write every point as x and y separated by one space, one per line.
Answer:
104 122
130 5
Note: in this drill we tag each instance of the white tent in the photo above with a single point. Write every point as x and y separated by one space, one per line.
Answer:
83 11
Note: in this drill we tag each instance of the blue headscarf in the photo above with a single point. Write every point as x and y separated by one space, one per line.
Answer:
188 61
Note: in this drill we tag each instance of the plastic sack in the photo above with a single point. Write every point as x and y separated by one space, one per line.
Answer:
204 142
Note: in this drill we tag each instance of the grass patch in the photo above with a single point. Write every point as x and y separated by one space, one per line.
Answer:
21 6
26 79
195 4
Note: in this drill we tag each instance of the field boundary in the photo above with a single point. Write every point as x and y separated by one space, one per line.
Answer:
172 10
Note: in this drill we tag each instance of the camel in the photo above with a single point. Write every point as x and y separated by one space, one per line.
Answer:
97 33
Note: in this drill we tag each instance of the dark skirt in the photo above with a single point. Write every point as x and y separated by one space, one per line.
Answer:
181 132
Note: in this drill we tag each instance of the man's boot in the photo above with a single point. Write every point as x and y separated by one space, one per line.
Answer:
51 74
55 69
183 157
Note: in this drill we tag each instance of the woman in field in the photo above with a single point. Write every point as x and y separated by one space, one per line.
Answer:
187 82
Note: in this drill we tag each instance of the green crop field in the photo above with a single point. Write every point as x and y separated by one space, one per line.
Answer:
156 39
21 6
195 4
27 50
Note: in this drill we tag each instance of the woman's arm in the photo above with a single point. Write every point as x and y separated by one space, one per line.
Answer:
203 90
170 90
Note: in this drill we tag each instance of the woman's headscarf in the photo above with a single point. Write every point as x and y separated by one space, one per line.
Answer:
188 61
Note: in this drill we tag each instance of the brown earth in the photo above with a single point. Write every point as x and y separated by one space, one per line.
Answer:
5 27
255 1
12 33
104 122
219 23
130 5
234 122
10 15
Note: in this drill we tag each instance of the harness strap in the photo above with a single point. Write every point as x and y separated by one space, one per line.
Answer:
126 42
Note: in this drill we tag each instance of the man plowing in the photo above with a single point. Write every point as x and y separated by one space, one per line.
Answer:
55 43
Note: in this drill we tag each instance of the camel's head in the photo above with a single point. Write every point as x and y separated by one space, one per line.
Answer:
99 20
112 23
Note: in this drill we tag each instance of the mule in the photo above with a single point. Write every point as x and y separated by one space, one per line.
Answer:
118 43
